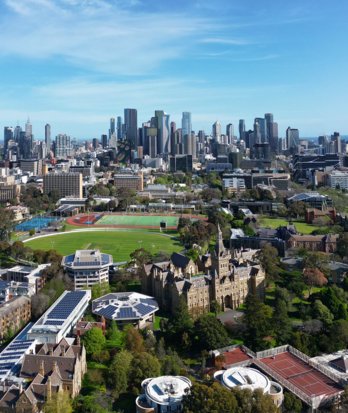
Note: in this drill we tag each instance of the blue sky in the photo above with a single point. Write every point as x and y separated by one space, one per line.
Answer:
76 63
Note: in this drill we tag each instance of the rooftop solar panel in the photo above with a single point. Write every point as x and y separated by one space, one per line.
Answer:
53 322
67 304
126 312
144 309
107 311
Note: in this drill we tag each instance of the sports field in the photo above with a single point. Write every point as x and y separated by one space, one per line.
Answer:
274 223
117 243
141 220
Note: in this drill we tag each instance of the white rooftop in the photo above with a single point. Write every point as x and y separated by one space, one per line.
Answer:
166 390
244 378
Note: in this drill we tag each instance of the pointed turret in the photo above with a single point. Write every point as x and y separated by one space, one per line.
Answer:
219 246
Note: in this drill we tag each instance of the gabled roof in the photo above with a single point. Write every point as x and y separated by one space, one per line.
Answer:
179 260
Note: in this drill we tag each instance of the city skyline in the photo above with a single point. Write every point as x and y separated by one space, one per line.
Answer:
222 62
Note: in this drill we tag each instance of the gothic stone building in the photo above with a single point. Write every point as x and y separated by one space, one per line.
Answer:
221 278
53 368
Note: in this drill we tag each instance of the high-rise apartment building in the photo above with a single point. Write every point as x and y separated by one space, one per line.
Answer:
186 129
104 141
28 129
229 133
63 146
163 132
119 128
8 136
131 126
112 126
241 127
292 138
48 137
66 184
216 131
260 131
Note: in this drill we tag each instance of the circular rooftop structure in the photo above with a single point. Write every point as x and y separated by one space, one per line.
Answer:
166 390
244 378
125 307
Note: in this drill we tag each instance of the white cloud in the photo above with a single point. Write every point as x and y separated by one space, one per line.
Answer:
98 35
226 41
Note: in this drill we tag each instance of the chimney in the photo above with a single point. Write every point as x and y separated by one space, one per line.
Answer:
42 368
62 349
49 388
55 366
78 340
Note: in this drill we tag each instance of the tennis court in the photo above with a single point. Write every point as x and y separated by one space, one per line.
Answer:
35 223
302 375
138 220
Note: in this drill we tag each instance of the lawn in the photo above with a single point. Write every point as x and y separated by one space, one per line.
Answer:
274 223
117 243
142 220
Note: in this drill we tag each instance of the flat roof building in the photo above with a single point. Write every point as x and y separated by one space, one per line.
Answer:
13 314
59 320
66 184
87 268
12 355
163 394
131 181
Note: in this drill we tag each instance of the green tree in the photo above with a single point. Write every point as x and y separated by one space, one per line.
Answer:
141 257
114 334
342 245
94 341
339 334
297 209
268 257
291 404
180 323
134 341
99 290
258 322
118 372
322 313
209 399
6 224
172 364
59 402
281 322
210 333
143 365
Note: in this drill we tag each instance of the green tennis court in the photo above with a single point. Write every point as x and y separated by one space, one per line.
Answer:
141 220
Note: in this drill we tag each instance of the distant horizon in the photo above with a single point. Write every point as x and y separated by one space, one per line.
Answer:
75 64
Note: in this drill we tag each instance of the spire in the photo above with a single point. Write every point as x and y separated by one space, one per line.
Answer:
219 242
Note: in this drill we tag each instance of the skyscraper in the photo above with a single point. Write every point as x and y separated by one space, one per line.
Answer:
104 141
28 129
292 139
8 135
241 129
229 133
261 136
217 131
48 137
112 126
63 147
119 127
186 127
163 132
131 126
